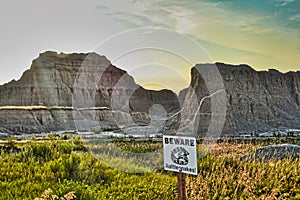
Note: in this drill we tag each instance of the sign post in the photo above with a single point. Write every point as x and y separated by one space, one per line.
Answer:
180 155
181 186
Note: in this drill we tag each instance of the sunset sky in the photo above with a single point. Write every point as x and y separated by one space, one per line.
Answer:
262 33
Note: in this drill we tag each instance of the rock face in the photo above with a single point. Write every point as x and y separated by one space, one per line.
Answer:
76 91
257 101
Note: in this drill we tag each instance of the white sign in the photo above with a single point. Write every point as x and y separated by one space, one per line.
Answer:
180 154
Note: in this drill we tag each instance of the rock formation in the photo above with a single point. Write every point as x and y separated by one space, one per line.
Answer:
256 100
76 91
85 91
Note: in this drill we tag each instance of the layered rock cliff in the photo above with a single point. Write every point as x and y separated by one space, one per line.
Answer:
85 91
76 91
257 101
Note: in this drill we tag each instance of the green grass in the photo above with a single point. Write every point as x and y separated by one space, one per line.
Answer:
56 168
54 164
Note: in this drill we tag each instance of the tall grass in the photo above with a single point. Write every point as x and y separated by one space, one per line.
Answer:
57 168
65 169
223 176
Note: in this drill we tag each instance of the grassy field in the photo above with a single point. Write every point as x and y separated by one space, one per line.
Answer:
65 169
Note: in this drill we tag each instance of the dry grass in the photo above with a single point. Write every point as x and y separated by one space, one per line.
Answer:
223 176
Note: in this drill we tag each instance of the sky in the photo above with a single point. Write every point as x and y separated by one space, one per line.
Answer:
261 33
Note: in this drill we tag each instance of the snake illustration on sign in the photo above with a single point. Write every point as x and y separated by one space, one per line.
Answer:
180 156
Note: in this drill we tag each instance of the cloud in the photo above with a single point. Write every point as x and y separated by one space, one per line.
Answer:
295 17
135 20
252 33
283 2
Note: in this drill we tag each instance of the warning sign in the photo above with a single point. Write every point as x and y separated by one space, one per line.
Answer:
180 154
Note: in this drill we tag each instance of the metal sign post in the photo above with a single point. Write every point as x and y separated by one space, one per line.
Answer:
180 155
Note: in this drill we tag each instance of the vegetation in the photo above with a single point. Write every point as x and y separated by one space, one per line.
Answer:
64 169
56 168
139 147
223 176
105 129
